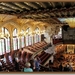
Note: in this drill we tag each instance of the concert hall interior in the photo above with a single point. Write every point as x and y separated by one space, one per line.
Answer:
37 36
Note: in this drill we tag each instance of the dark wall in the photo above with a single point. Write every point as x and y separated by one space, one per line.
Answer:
42 37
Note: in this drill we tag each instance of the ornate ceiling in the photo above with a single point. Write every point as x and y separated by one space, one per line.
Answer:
38 11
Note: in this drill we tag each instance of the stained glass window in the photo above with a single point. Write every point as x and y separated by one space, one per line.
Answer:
36 36
2 48
15 40
15 43
18 43
7 42
28 40
22 41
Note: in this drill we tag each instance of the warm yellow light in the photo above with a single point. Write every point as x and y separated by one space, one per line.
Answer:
71 22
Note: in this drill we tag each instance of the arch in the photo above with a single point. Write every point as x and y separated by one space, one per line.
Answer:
15 24
28 23
14 31
28 27
4 32
6 29
39 27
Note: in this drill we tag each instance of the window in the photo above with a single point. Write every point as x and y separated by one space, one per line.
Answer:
22 38
35 39
7 42
39 38
36 36
6 31
2 48
15 32
32 39
18 43
15 43
15 40
28 39
22 41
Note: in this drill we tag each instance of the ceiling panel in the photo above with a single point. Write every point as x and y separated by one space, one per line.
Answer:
38 10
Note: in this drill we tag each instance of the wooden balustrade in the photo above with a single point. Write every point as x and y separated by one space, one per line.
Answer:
45 58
